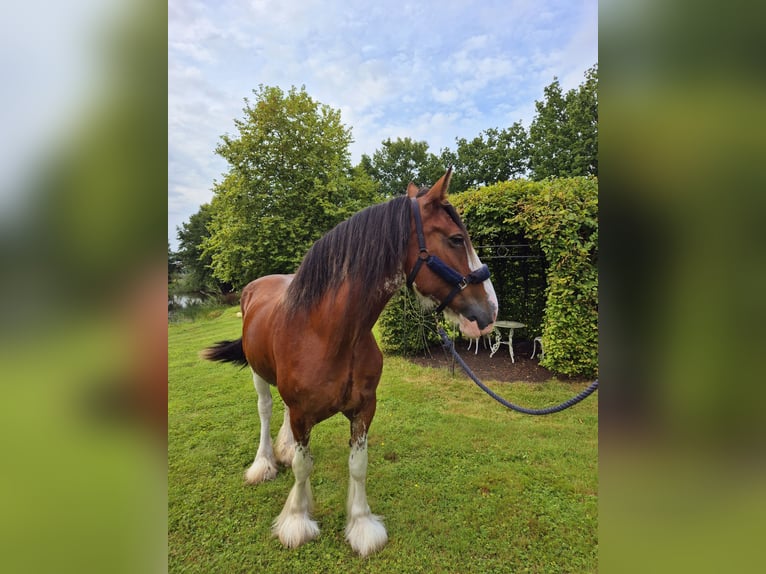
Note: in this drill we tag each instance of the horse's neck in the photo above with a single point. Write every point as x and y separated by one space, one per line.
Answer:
355 308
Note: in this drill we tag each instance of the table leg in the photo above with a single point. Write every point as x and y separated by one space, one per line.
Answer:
496 345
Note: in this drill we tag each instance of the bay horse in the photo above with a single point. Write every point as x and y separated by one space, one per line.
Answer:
310 334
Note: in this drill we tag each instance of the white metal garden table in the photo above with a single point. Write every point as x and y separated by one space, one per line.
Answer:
510 325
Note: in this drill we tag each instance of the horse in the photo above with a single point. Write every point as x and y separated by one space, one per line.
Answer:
310 335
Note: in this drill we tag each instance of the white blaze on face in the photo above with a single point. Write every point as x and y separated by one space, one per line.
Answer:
474 263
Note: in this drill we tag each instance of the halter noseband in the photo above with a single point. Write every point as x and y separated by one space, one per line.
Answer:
447 273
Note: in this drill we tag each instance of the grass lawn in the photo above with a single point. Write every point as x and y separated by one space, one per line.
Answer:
463 484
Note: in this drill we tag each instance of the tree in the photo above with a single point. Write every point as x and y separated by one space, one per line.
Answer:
399 162
563 136
493 156
193 263
173 265
289 181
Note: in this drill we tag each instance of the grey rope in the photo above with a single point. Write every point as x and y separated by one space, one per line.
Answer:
546 411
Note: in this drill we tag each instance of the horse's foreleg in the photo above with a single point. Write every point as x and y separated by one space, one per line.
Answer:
364 531
294 525
264 466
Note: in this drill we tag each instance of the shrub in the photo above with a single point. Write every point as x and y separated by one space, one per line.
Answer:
405 329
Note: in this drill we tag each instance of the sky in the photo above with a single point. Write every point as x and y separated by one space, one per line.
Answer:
432 71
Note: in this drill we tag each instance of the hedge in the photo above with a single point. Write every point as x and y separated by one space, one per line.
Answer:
560 217
563 219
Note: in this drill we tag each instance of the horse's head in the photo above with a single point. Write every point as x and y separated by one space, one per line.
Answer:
443 267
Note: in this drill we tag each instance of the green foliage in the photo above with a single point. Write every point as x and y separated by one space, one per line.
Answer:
457 495
196 275
174 265
563 137
405 329
494 155
289 181
563 219
485 210
399 162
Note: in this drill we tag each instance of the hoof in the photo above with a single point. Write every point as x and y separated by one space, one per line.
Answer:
260 471
366 534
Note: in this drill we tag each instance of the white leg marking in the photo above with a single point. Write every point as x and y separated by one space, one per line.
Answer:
264 466
285 444
364 531
294 525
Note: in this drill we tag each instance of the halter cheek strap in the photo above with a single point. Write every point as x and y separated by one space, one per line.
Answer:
447 273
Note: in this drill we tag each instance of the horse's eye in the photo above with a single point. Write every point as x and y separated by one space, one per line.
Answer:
456 240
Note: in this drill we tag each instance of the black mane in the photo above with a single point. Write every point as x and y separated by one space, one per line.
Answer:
368 248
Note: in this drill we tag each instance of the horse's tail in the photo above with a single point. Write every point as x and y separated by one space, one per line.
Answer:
226 352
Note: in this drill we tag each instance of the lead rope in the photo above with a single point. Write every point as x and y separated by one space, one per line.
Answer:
554 409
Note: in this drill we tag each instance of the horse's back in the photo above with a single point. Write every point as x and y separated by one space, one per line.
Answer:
264 292
261 300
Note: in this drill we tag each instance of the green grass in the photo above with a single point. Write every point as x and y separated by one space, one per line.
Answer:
463 484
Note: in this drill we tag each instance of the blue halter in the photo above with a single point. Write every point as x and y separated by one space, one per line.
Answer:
447 273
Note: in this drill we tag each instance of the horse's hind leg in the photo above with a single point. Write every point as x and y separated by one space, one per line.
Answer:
264 466
284 446
294 525
364 531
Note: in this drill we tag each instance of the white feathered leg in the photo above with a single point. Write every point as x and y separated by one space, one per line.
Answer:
364 531
294 525
264 466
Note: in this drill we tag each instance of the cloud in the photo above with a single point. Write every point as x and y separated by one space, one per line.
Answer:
445 96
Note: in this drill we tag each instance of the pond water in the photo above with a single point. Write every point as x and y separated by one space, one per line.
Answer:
183 301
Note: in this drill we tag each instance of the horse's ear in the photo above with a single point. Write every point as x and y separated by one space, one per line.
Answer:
438 191
412 190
